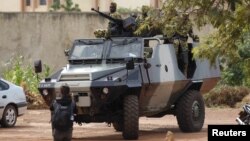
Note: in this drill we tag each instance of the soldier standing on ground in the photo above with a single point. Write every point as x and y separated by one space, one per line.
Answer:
62 115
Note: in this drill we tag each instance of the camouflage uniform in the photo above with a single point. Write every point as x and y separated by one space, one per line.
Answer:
112 26
145 9
179 29
102 33
146 19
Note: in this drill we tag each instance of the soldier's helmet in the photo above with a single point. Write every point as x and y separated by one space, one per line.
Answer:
113 4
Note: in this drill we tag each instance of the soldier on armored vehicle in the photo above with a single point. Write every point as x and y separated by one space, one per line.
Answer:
113 81
181 30
116 26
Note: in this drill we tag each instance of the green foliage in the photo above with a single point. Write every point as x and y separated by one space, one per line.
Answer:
149 24
127 10
233 75
230 18
69 6
56 5
230 42
225 96
23 75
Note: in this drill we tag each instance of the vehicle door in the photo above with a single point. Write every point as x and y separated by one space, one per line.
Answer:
4 87
154 90
159 75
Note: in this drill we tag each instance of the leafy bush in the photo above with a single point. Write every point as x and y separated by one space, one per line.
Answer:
24 75
237 72
225 96
233 74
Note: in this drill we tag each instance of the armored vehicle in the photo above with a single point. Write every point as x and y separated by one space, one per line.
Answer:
118 80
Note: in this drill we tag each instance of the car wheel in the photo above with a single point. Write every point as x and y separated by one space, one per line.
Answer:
9 116
190 111
131 117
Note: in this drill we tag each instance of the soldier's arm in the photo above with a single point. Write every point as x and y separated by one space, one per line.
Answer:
190 32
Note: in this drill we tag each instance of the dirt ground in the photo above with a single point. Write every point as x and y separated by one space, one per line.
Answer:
35 126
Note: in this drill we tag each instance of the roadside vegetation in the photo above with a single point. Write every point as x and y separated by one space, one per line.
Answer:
227 96
23 75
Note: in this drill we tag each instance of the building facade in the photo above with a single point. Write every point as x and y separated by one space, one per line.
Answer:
84 5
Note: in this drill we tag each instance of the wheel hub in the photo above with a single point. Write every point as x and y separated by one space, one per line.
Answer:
10 116
196 110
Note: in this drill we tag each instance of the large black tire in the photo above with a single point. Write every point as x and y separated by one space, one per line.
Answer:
118 126
9 116
190 111
131 117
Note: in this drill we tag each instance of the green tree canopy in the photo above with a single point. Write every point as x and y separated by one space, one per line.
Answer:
230 41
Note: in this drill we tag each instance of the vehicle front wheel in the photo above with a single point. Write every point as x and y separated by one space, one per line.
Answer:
9 116
190 111
130 117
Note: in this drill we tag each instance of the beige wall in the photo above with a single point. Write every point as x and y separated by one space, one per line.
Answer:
104 5
10 6
85 5
132 4
44 35
41 8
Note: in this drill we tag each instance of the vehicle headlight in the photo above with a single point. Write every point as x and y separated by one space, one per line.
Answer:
105 90
45 92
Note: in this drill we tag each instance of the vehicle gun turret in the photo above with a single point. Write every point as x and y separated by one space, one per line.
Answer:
121 28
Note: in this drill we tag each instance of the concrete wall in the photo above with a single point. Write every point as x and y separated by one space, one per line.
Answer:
44 35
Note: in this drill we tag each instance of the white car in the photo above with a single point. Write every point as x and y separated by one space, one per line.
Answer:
12 103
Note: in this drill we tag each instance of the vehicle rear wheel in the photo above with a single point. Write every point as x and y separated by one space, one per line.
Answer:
190 111
9 116
118 126
131 117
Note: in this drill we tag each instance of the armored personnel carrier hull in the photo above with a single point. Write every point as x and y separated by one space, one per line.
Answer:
121 79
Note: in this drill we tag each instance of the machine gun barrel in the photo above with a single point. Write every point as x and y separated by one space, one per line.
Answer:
117 21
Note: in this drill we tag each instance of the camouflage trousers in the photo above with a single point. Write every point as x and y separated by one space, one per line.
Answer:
181 50
180 44
62 135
